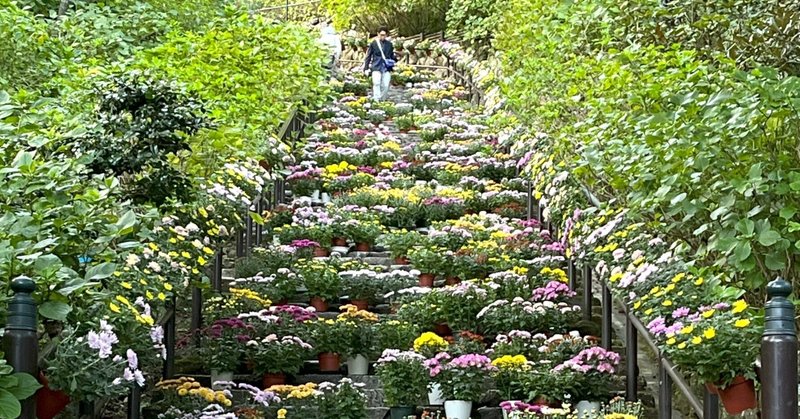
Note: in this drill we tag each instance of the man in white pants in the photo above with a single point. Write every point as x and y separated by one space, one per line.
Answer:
379 62
333 42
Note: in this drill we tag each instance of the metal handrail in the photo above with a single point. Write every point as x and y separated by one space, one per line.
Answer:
286 6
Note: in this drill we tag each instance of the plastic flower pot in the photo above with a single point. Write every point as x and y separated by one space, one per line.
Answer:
457 409
426 280
321 252
329 362
435 397
363 247
452 280
401 260
217 375
319 304
281 302
401 412
270 380
339 242
360 304
442 329
739 396
357 365
587 410
49 403
712 389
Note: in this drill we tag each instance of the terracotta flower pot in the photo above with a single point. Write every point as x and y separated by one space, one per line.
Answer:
360 304
270 380
281 302
401 260
738 396
712 389
442 329
319 304
321 252
329 362
426 280
363 247
49 403
339 242
452 280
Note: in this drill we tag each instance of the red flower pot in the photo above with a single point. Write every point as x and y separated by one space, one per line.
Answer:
738 396
442 329
426 280
270 380
363 247
319 304
329 362
281 302
339 241
360 304
712 389
321 252
49 403
452 280
401 260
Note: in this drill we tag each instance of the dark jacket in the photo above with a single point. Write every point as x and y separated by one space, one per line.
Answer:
374 59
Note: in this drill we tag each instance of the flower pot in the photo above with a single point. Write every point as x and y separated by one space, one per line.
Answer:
315 195
452 280
587 410
457 409
281 302
329 362
426 280
442 329
357 365
321 252
217 375
270 380
401 260
712 389
739 396
435 397
339 242
363 247
360 304
401 412
49 403
319 304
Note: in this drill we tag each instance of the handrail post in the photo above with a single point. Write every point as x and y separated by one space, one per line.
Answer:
170 339
260 227
135 402
218 269
572 274
239 243
530 200
605 325
587 292
779 354
631 360
20 342
197 310
664 391
710 405
248 226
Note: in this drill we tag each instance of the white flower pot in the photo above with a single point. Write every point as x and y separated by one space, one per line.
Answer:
315 195
326 198
457 409
220 376
435 397
586 409
357 365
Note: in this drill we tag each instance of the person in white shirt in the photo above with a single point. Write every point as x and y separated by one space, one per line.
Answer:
333 42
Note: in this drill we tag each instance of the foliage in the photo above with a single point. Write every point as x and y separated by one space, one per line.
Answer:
478 19
249 72
344 400
14 386
403 377
409 17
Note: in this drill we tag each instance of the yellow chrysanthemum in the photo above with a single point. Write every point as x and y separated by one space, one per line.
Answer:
742 323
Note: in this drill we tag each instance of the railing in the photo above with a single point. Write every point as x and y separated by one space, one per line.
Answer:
284 10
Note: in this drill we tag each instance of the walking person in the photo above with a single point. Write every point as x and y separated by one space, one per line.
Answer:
333 42
380 62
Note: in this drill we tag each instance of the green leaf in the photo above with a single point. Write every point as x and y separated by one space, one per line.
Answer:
126 223
678 198
9 405
742 251
776 261
100 271
745 226
768 237
788 212
55 310
26 386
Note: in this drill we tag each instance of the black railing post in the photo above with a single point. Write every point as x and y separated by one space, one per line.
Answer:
170 340
710 405
587 292
218 270
779 354
664 392
530 200
239 243
539 215
20 342
605 324
248 235
197 310
135 402
631 360
572 274
259 226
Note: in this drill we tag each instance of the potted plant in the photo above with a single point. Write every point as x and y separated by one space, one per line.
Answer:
431 261
404 378
342 401
393 333
363 232
330 341
463 381
223 347
280 286
592 377
460 304
322 282
359 333
361 286
275 357
399 243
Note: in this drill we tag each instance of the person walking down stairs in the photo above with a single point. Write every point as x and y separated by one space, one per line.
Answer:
380 62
